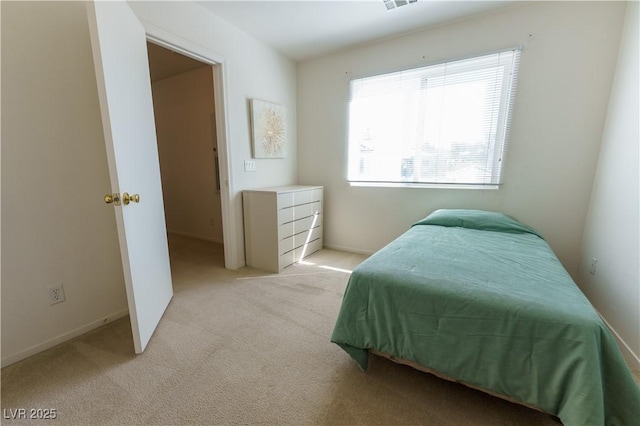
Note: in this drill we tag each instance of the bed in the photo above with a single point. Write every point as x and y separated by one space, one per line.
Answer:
480 298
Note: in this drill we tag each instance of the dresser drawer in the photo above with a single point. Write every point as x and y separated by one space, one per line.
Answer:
317 194
303 197
285 200
298 240
290 214
288 199
297 226
298 254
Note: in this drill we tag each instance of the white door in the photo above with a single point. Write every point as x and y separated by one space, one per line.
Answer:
122 71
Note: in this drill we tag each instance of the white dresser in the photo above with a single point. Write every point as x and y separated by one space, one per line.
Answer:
282 225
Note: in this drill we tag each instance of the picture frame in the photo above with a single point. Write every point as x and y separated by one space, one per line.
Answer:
268 129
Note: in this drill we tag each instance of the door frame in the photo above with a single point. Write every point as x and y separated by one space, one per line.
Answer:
177 44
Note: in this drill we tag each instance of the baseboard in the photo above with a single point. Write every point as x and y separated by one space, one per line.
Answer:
632 359
197 237
33 350
348 249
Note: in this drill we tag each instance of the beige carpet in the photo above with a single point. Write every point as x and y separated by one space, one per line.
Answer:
243 347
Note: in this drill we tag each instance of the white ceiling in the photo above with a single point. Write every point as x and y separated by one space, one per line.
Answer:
304 29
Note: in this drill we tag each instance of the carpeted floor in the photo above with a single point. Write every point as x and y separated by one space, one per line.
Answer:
242 347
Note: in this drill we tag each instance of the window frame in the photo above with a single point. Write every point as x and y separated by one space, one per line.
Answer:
509 80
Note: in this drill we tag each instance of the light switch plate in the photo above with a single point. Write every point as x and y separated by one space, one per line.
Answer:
249 166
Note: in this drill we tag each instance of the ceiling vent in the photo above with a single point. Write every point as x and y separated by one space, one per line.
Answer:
392 4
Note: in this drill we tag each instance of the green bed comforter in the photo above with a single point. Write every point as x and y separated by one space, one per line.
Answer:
482 298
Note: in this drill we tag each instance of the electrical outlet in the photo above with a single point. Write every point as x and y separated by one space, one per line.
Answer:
592 268
56 294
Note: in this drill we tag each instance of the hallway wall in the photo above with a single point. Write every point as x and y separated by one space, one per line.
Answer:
185 120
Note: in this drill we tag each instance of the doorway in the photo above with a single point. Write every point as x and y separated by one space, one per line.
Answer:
185 117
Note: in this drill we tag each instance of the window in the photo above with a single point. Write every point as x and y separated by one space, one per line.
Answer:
440 124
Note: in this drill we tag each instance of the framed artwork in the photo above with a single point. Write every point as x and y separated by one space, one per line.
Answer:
268 128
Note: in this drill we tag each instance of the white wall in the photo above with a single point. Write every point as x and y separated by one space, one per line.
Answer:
612 231
565 77
183 108
253 70
55 225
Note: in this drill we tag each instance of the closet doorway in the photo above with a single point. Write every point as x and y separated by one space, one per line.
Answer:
185 119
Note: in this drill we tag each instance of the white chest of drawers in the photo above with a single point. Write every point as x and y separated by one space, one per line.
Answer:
282 225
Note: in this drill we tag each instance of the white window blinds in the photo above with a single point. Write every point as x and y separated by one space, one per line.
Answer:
440 124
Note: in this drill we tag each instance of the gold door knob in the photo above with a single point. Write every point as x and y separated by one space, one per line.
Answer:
126 198
112 198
